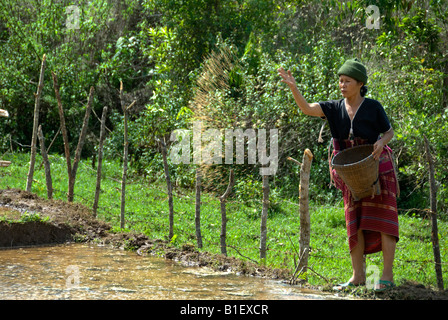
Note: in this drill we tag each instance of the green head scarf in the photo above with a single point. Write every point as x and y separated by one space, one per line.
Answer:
354 69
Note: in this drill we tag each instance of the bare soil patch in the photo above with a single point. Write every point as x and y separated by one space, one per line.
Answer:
75 222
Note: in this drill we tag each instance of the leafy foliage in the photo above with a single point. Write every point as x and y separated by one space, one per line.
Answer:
159 49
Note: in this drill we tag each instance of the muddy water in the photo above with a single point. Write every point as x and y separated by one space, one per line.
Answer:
79 271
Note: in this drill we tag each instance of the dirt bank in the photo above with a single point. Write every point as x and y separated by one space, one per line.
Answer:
32 233
65 220
75 222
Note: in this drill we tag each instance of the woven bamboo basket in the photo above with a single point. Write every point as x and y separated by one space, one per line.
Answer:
358 170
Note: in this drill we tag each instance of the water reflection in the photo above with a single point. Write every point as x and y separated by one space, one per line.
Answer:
79 271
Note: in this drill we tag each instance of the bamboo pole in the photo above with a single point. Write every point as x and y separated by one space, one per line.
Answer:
46 164
40 87
222 201
100 162
435 230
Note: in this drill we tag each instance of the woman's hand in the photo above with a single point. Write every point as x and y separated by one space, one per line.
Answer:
287 77
4 113
379 145
313 109
377 149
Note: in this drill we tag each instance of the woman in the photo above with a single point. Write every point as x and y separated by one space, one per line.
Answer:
372 223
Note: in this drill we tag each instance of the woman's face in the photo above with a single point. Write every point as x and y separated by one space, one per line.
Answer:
349 87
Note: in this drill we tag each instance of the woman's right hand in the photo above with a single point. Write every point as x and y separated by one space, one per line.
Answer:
287 77
313 109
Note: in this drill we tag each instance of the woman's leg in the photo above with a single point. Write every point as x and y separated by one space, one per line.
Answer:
388 244
357 255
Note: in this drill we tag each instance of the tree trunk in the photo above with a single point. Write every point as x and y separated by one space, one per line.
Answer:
46 164
197 218
435 230
222 201
304 242
264 217
100 162
40 86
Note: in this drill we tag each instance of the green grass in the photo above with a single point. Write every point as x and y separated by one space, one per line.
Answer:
147 212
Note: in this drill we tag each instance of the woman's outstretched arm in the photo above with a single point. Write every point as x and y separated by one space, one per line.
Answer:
310 109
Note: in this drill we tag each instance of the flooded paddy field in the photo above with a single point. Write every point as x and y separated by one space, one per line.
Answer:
83 271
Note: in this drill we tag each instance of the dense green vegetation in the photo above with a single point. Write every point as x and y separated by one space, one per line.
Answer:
160 50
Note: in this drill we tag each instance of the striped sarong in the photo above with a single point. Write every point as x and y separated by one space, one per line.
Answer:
373 216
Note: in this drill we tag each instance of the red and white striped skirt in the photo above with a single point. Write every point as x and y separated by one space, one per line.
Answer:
372 215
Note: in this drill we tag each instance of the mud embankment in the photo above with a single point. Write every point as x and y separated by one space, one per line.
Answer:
58 221
32 233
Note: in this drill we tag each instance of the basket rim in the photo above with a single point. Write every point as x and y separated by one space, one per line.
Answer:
353 163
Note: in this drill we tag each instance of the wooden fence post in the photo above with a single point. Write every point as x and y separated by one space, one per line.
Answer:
71 170
197 217
222 201
82 137
46 164
435 230
264 217
63 127
125 154
304 241
100 162
125 158
169 187
29 181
